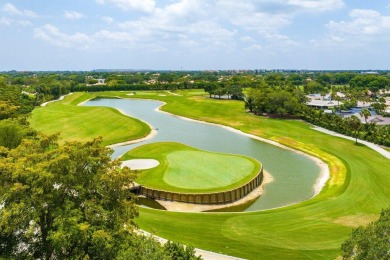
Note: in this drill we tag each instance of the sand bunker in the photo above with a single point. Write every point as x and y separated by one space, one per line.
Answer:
140 164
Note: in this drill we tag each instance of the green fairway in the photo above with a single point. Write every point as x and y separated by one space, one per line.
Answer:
76 123
359 187
187 169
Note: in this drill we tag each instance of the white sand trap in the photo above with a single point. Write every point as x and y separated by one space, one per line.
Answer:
140 164
130 94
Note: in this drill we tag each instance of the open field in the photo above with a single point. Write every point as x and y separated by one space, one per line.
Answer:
187 169
77 123
359 187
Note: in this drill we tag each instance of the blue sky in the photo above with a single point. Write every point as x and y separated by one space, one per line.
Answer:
194 34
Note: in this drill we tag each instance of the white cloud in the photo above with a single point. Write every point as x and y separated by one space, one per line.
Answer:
185 22
54 36
5 21
317 5
73 15
364 30
13 10
246 39
25 23
107 19
195 23
363 24
254 47
114 36
147 6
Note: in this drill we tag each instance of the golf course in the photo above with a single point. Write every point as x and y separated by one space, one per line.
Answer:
187 169
357 189
76 123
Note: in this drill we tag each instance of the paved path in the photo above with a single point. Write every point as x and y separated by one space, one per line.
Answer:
370 145
51 101
206 255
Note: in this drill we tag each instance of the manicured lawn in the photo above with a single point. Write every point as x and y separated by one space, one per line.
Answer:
186 169
358 189
77 123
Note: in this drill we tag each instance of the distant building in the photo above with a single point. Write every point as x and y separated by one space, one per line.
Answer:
323 104
378 119
362 104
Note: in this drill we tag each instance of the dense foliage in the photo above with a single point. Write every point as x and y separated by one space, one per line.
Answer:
63 201
280 94
274 101
349 126
14 107
13 102
71 201
370 242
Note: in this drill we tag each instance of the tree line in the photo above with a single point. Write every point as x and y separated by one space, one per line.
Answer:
290 102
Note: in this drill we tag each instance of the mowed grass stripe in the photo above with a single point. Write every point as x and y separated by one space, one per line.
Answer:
78 123
314 229
358 189
192 169
187 169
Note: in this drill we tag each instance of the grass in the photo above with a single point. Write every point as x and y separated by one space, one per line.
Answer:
186 169
77 123
358 189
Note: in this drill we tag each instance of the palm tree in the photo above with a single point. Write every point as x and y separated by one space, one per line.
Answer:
365 113
356 125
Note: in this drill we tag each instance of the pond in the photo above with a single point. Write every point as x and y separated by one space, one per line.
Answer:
294 175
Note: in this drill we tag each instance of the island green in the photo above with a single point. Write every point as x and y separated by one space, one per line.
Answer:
187 169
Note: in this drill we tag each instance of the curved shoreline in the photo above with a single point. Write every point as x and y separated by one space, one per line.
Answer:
152 133
190 207
324 169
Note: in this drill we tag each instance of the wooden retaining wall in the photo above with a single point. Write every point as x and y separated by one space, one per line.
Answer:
204 198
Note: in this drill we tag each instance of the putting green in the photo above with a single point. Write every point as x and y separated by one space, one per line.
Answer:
187 169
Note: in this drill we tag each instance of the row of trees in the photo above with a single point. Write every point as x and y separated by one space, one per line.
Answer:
290 102
281 102
351 126
311 80
232 91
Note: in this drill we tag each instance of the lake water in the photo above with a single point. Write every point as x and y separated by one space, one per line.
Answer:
294 174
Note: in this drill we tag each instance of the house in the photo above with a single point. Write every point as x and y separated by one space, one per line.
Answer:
323 104
101 81
377 119
362 104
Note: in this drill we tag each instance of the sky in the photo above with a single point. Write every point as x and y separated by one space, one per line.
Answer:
194 34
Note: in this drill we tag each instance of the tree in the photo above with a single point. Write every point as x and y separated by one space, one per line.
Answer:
371 242
355 124
365 113
234 92
220 92
178 251
65 201
12 132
